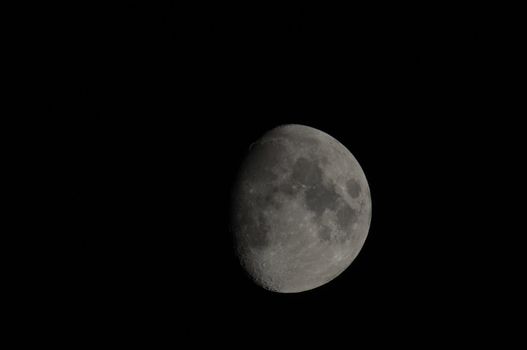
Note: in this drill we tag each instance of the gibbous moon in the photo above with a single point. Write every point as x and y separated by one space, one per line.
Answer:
301 209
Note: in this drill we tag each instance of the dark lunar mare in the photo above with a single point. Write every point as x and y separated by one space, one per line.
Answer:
306 172
320 197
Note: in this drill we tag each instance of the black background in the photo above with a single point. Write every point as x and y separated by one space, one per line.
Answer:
153 109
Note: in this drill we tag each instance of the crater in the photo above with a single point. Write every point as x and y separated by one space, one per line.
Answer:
353 188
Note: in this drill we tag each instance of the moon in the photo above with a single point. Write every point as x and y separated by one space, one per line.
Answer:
301 209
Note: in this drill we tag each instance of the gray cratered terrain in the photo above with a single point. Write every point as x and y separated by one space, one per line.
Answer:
301 209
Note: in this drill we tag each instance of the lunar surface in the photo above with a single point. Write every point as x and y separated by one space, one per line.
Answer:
301 209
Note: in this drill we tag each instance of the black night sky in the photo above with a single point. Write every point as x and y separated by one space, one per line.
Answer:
154 107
